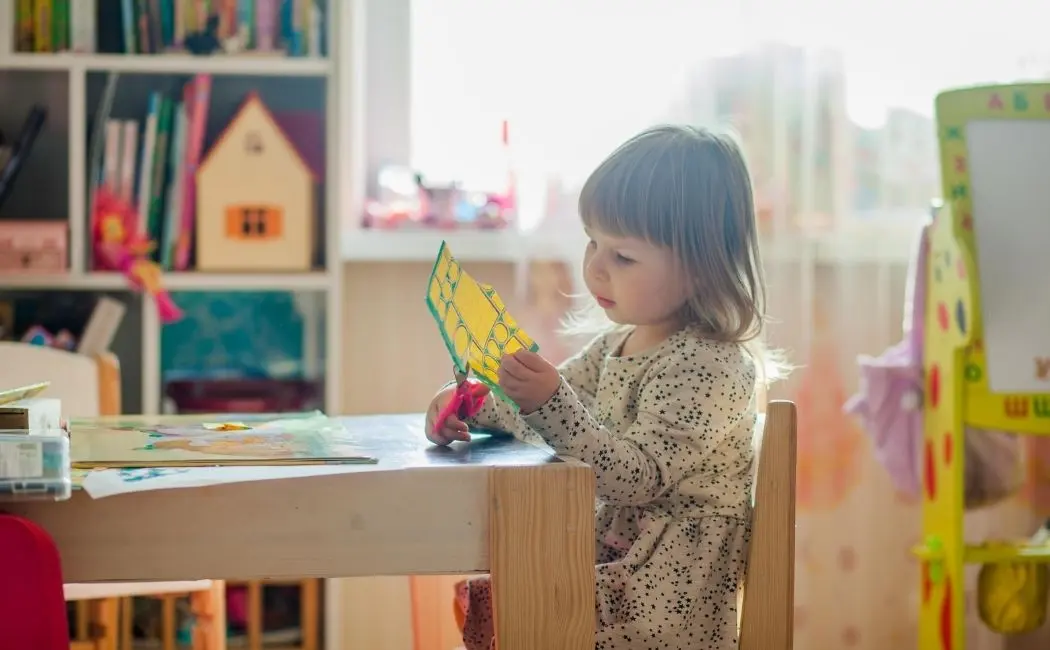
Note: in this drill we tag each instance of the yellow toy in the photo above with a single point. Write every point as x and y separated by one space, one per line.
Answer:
975 375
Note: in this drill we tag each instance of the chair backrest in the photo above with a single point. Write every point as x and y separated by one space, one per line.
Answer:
767 616
87 386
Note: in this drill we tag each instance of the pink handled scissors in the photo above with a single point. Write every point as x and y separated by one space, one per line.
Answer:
466 402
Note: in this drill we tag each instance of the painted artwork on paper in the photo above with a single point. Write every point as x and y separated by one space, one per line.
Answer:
193 441
473 320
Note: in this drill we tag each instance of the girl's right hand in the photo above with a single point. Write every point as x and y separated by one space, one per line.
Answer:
454 428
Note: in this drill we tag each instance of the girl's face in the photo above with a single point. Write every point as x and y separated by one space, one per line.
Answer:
635 282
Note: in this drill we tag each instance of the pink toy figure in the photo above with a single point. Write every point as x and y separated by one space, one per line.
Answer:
118 248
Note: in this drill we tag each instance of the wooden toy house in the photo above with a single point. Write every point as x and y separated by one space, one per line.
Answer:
256 198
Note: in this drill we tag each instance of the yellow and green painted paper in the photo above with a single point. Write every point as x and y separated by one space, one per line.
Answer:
473 320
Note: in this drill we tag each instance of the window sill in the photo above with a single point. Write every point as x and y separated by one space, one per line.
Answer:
859 244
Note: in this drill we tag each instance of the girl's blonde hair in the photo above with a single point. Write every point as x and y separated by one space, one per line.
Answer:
688 189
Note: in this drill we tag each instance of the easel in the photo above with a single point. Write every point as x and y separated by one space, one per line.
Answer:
958 384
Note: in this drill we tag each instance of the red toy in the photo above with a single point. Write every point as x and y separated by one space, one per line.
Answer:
119 247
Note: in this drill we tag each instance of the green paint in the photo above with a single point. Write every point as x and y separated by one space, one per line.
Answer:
1020 101
1041 406
973 373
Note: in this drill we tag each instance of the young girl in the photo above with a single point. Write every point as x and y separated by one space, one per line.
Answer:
662 403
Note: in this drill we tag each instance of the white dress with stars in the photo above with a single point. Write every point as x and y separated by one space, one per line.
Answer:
669 435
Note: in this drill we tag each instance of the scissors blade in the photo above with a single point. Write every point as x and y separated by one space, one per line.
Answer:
461 375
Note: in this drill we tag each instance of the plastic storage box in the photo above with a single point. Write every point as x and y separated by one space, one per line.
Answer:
34 466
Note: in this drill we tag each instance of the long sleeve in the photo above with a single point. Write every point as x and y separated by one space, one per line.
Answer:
580 371
685 407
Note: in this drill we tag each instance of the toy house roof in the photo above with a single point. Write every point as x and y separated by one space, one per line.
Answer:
253 99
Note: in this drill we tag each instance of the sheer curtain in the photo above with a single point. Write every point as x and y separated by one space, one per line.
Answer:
833 102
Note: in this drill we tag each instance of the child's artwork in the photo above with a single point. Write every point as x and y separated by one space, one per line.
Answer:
995 147
183 441
473 320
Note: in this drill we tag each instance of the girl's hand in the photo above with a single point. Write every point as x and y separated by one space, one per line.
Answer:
454 428
528 379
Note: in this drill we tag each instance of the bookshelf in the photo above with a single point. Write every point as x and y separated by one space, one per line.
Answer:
70 85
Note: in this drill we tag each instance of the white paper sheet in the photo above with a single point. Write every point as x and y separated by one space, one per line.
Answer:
1010 191
110 482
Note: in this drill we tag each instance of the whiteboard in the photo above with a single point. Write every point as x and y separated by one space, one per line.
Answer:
1009 169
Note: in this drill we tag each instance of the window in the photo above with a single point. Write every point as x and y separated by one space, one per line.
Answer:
832 100
254 222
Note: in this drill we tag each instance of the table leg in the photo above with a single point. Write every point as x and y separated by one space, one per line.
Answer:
542 556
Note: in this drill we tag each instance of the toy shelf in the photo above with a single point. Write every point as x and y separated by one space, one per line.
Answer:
175 281
70 85
985 347
219 64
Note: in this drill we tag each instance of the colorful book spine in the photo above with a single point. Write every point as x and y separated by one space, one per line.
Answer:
130 25
149 145
202 11
246 21
42 12
180 9
129 142
197 99
25 19
159 163
82 25
111 156
176 175
60 25
166 8
142 27
266 20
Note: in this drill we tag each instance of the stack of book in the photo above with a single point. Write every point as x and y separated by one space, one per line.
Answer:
276 27
152 164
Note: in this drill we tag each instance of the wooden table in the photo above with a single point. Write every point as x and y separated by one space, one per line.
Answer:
494 505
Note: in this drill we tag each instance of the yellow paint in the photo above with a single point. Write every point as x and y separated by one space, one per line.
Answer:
953 355
226 426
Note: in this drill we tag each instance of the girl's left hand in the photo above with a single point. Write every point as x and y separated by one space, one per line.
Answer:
528 379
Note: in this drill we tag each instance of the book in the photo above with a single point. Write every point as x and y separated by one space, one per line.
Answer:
211 440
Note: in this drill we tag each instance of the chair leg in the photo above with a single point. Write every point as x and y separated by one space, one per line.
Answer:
83 620
104 626
127 623
168 622
309 614
209 613
255 614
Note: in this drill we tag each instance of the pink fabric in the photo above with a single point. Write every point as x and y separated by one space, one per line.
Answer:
889 407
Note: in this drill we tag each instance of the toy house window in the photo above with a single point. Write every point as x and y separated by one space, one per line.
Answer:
254 222
253 144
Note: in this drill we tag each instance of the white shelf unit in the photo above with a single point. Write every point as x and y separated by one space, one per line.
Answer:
319 292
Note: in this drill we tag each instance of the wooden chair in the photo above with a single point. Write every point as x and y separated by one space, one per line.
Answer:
767 616
309 612
90 386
